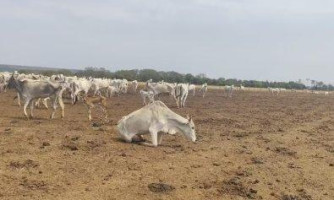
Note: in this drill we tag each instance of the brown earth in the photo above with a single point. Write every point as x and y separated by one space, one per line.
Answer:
251 146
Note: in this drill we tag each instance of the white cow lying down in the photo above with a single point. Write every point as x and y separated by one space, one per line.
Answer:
155 119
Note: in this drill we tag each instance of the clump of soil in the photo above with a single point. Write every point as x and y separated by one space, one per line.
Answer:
26 164
234 186
160 187
285 151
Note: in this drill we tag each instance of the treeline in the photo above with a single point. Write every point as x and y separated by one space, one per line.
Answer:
175 77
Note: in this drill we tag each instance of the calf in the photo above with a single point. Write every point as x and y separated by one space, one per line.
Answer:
181 94
91 102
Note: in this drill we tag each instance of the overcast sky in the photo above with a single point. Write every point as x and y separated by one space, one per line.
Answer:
245 39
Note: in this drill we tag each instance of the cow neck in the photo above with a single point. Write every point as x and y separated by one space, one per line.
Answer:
177 125
176 120
17 85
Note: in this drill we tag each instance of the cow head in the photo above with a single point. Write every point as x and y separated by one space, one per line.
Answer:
12 82
189 129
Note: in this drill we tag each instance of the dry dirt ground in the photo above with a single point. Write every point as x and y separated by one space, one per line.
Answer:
251 146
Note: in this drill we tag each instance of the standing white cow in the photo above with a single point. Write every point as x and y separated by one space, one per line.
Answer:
192 88
134 86
155 119
5 76
274 91
98 84
229 90
160 88
204 89
124 86
34 89
149 95
181 94
80 85
112 91
2 83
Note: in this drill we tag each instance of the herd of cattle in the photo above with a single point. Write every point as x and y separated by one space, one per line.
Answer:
155 118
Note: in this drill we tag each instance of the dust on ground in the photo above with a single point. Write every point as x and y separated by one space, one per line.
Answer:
251 146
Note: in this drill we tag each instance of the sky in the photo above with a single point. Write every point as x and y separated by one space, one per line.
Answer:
277 40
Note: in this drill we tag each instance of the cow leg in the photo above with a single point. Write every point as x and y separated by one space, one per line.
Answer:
36 103
54 107
62 106
154 138
95 91
194 94
89 112
73 97
45 102
160 138
25 107
177 102
19 99
32 104
184 100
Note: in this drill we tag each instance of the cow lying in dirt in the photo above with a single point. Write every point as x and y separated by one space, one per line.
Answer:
155 119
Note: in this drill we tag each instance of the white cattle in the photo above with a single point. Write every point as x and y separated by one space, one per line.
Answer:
124 86
192 88
2 83
160 88
181 94
204 89
134 85
149 95
112 91
155 119
80 85
44 101
98 84
4 76
326 93
229 90
121 84
57 77
19 77
274 90
34 89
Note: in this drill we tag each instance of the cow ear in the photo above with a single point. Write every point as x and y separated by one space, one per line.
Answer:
188 118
